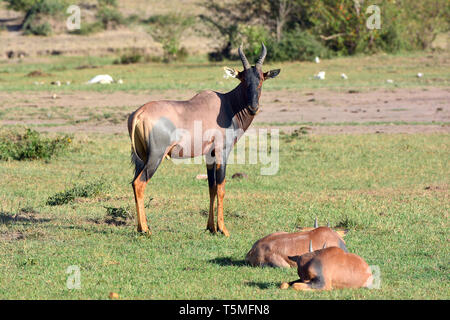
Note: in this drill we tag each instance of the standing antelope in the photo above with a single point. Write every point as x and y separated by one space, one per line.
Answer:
171 128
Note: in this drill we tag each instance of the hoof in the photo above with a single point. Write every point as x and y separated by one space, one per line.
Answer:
144 231
211 229
225 232
300 286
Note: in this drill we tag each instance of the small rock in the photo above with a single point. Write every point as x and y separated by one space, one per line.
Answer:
419 75
120 81
54 96
284 286
201 177
113 295
56 83
344 76
317 60
390 81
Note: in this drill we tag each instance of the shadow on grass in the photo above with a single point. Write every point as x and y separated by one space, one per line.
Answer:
9 218
261 285
228 261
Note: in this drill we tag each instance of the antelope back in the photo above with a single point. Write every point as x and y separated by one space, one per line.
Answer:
275 249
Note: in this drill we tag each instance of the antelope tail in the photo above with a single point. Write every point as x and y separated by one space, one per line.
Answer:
133 129
141 147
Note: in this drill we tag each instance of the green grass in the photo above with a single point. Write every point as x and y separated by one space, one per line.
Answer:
364 73
391 190
354 123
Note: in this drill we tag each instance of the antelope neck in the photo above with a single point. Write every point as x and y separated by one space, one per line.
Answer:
238 106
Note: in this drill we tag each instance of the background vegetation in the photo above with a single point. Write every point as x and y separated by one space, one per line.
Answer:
291 29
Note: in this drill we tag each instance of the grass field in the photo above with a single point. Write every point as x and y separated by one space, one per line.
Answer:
391 191
364 73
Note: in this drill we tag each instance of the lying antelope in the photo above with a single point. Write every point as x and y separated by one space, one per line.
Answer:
276 248
330 268
171 128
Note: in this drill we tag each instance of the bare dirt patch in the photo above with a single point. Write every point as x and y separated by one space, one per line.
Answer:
323 111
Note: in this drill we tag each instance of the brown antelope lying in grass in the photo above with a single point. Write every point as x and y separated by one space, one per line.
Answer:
330 268
276 248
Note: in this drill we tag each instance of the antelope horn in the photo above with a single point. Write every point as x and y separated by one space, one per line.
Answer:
316 224
262 56
310 246
324 245
244 60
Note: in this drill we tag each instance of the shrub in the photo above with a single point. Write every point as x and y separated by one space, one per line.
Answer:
31 145
88 190
109 17
35 11
118 216
132 56
43 29
20 5
296 45
168 30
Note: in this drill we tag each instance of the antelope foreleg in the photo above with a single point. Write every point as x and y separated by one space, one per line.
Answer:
212 196
220 179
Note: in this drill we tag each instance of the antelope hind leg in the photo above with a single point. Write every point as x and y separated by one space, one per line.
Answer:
139 185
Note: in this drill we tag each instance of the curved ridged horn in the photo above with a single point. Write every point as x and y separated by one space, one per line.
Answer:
244 60
310 246
316 224
262 56
324 245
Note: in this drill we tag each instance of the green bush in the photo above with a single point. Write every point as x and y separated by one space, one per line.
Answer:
294 45
20 5
110 17
37 9
129 58
88 190
300 29
31 145
168 30
43 29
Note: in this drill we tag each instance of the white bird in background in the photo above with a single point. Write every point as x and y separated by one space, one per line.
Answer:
320 75
344 76
102 79
317 60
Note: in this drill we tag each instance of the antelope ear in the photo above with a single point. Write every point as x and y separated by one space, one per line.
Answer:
229 72
271 74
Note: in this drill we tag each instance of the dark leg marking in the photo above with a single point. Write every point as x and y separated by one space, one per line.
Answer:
211 170
317 282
